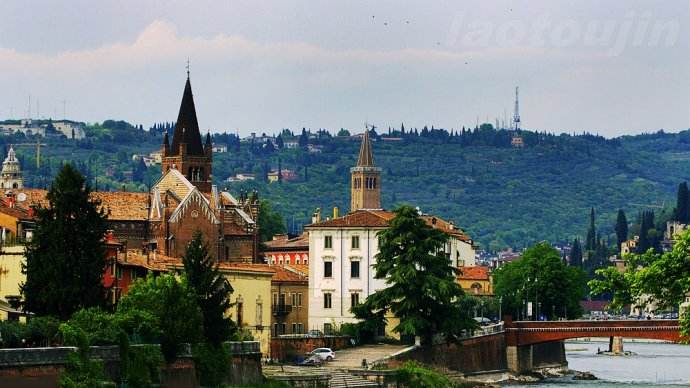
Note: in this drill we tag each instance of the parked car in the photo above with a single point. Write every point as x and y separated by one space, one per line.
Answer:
325 354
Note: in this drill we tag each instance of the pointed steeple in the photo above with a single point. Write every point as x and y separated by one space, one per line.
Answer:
187 127
366 157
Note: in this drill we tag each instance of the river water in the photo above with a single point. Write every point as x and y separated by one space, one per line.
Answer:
655 364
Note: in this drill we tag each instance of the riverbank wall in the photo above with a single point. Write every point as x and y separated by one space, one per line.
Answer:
42 367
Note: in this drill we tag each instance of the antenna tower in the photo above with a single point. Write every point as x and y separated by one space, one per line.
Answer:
516 117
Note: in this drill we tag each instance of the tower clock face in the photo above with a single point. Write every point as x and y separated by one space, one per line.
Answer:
195 213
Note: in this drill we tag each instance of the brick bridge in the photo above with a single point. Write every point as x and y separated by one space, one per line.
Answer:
533 332
534 344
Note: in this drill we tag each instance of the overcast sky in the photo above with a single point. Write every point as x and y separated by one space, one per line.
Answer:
611 67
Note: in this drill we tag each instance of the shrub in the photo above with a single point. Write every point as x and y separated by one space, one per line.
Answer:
211 363
42 331
412 374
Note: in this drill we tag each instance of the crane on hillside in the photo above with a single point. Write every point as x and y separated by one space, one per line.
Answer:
38 146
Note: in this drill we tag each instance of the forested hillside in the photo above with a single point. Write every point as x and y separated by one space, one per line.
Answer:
502 196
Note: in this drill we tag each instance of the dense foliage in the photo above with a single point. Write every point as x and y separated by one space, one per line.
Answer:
65 258
421 290
660 279
502 196
541 278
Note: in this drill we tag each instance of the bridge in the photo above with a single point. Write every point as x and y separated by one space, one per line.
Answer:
521 333
533 344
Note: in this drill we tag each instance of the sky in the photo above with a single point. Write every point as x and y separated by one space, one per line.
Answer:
612 68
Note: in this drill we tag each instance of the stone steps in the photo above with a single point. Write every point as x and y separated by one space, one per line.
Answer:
342 379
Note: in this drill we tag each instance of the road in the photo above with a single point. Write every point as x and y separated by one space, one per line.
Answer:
352 357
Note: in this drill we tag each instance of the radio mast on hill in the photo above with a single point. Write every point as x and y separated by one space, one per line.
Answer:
516 117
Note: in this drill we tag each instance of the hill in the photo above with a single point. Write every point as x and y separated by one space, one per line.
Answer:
502 196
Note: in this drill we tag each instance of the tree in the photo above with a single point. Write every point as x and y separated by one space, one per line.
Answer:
540 277
343 132
421 288
211 289
270 222
280 142
621 228
65 258
576 254
303 139
682 211
661 279
591 241
174 306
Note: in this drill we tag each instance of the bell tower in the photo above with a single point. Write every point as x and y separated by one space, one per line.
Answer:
365 182
186 153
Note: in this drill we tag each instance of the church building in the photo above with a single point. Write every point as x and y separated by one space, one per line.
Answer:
342 250
11 175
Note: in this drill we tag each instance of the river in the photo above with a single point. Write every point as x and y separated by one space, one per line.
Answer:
655 364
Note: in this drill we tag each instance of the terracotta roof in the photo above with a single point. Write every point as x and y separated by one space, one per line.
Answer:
137 259
283 274
381 218
16 212
366 157
474 273
246 267
297 243
301 268
359 218
118 205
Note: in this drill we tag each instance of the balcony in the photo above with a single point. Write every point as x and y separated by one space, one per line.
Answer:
281 309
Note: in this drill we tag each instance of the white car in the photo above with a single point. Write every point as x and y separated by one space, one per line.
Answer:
325 354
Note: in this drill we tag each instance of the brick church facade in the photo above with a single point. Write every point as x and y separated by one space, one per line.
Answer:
163 221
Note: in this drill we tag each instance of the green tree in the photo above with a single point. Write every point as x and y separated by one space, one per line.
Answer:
66 257
661 279
591 241
576 254
421 288
343 132
173 304
621 228
540 277
270 222
682 211
211 289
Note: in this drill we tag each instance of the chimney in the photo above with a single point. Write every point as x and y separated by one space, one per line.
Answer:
316 217
335 212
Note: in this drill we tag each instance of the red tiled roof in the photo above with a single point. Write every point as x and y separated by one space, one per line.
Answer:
118 205
16 212
137 259
301 268
473 273
246 267
283 274
381 218
297 243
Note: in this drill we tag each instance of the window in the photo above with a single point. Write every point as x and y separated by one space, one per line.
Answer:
328 242
355 242
283 328
354 299
294 299
299 299
300 328
294 328
327 329
239 313
275 329
328 269
327 300
119 272
297 260
259 313
275 298
354 269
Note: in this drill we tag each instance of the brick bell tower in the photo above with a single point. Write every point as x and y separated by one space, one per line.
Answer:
365 184
186 153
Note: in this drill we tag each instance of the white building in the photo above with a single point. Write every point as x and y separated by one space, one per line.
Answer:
342 250
11 176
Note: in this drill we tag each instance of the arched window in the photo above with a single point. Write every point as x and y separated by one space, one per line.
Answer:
476 288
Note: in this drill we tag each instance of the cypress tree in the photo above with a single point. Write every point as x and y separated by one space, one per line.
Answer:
682 211
591 242
66 257
576 254
211 289
621 228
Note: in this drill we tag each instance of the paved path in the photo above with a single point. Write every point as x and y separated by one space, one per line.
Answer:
352 357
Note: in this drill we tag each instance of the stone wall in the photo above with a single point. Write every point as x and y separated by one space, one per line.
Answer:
41 367
479 354
294 348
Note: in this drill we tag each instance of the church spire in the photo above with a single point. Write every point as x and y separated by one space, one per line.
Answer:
366 157
187 127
